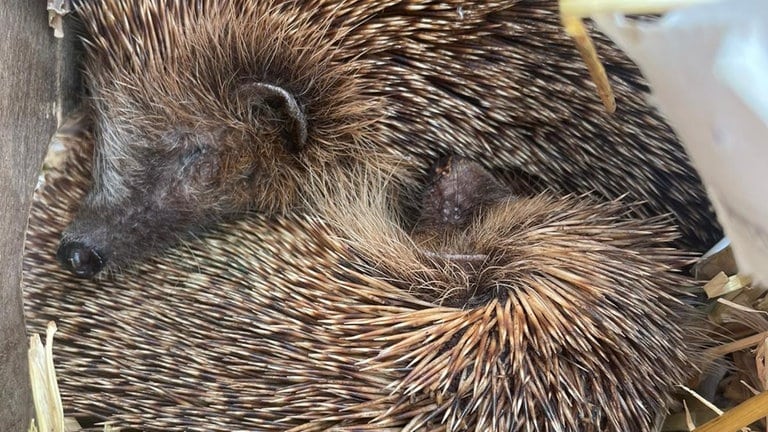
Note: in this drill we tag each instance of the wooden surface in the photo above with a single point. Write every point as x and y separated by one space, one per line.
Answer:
28 84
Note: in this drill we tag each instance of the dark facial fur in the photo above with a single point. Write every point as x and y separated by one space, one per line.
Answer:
221 109
205 109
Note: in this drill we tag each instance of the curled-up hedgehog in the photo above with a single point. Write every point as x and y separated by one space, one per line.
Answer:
514 313
549 313
205 109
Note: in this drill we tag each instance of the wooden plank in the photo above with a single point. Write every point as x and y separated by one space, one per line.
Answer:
27 119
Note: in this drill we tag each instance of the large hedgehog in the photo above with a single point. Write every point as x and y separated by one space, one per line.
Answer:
513 313
206 109
332 308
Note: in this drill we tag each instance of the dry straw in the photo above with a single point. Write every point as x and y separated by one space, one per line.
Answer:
49 413
741 308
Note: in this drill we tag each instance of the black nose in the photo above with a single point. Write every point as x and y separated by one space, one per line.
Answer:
80 259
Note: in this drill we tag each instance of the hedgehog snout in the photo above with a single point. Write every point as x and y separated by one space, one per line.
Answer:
82 260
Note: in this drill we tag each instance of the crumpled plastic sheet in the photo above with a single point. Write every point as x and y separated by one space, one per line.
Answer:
708 69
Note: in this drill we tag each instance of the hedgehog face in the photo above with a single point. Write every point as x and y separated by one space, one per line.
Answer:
187 135
146 195
155 181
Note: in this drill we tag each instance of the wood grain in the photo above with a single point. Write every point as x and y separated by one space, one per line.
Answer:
28 82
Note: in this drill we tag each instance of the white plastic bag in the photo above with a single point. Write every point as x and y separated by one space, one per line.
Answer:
708 68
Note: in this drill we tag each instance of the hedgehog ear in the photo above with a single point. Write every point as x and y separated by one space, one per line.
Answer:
285 109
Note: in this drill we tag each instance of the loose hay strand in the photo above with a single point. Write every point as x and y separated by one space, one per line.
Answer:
49 412
734 346
573 11
723 284
742 415
575 28
45 389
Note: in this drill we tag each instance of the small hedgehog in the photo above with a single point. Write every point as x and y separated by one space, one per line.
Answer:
549 314
202 110
525 313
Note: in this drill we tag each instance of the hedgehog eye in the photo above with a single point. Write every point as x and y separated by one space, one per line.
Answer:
283 107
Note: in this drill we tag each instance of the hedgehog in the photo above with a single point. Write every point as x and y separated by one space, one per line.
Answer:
205 110
548 306
524 312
